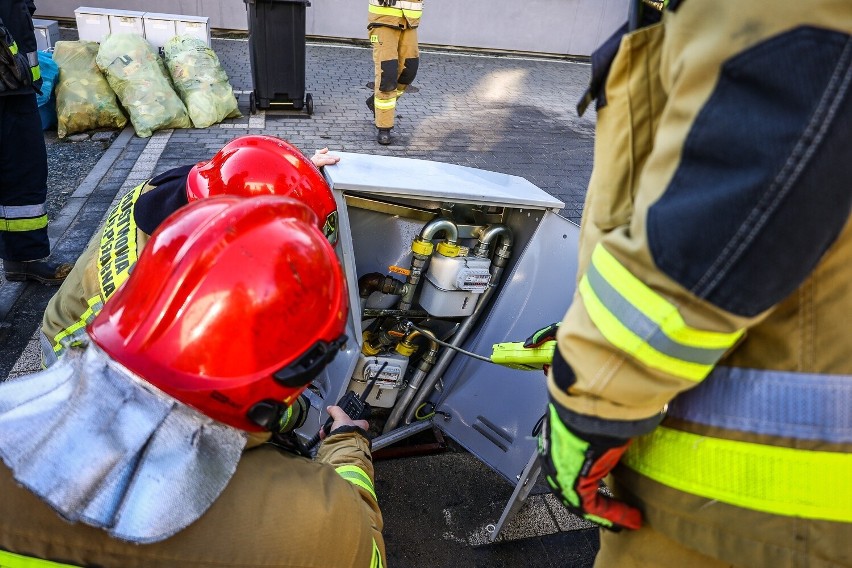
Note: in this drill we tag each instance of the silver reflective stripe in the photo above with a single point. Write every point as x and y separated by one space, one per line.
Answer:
806 406
644 327
22 211
401 5
32 58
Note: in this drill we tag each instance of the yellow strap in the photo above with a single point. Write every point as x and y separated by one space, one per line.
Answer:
23 225
771 479
357 476
11 560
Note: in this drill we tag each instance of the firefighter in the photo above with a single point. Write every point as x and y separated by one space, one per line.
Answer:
129 452
24 245
710 323
393 34
248 166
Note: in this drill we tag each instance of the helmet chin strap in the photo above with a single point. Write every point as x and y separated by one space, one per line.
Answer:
103 447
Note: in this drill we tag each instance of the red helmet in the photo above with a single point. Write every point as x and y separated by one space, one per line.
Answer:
234 306
264 165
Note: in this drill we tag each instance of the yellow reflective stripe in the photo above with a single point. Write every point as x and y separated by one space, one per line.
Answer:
357 476
14 48
385 104
657 308
117 251
36 72
624 339
23 225
771 479
11 560
643 324
95 306
384 11
376 561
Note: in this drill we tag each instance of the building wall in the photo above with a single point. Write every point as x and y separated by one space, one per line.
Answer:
564 27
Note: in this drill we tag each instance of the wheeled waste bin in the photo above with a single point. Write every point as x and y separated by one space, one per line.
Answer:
277 54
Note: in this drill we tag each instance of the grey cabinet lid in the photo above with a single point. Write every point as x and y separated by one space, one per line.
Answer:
408 177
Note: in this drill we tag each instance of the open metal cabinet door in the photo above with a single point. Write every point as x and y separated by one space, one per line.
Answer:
492 409
515 263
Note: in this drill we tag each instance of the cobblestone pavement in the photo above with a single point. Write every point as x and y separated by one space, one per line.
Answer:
506 114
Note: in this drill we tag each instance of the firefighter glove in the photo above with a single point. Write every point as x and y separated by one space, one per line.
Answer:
542 336
574 465
15 70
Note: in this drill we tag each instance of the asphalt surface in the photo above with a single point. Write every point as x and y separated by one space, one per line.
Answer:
495 112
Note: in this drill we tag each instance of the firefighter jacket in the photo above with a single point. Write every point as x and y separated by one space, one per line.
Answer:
714 280
403 14
106 262
278 510
16 15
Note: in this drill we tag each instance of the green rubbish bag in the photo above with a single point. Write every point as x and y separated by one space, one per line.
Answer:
200 81
84 99
137 75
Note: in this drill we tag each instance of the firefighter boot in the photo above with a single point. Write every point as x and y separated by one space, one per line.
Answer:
49 273
384 137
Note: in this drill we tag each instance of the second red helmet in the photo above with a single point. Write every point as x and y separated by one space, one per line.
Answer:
233 308
257 164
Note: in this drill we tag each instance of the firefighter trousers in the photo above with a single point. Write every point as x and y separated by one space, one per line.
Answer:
23 180
396 57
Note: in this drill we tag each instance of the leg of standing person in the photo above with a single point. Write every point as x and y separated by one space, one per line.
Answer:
409 60
24 244
385 41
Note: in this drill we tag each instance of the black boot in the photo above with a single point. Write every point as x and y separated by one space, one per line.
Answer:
384 136
371 104
49 273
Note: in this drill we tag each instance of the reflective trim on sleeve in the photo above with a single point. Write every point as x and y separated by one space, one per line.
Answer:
376 561
357 476
14 48
11 560
805 406
643 324
95 307
771 479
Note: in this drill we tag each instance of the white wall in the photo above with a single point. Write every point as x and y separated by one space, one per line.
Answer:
566 27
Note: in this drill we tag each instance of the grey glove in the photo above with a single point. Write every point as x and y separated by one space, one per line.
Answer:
15 70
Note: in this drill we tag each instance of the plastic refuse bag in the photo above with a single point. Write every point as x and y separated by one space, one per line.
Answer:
84 99
45 99
137 75
200 81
